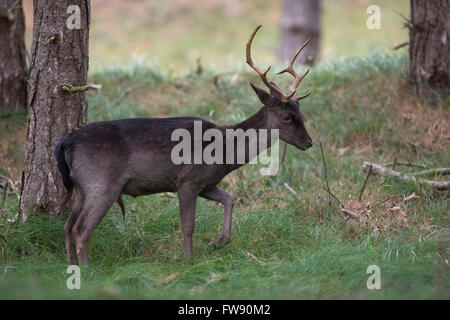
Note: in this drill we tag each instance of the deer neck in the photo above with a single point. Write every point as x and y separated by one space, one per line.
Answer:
260 124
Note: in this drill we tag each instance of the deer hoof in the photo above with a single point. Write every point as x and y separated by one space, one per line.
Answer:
218 244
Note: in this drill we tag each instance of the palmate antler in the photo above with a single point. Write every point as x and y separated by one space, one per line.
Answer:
289 69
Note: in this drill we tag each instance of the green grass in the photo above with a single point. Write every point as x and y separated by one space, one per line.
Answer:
283 246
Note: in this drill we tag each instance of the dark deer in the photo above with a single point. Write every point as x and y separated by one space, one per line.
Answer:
104 160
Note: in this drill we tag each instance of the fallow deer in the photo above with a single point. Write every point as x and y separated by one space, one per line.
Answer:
104 160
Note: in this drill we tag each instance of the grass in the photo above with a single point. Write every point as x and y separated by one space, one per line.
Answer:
283 246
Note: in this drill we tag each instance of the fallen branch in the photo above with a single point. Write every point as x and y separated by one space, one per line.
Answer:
438 171
395 163
382 171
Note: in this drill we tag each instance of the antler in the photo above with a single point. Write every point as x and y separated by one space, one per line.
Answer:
290 69
258 71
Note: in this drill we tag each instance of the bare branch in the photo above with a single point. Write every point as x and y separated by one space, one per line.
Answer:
438 171
364 184
399 163
401 45
382 171
326 175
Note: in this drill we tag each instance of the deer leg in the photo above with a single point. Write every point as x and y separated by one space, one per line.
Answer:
94 209
187 198
70 242
219 195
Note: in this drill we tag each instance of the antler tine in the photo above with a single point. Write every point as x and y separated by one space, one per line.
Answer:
261 74
290 69
298 98
297 81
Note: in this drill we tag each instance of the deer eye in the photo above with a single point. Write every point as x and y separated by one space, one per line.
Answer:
286 118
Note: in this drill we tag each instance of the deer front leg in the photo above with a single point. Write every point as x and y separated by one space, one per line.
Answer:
187 198
223 197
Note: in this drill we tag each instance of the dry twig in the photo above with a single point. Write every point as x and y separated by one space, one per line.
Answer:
6 270
400 163
382 171
438 171
289 188
364 184
326 176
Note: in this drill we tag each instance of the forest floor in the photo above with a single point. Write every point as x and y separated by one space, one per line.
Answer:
284 245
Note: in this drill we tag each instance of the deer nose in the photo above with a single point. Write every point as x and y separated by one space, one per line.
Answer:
309 144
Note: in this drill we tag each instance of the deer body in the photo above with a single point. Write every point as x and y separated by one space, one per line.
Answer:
103 160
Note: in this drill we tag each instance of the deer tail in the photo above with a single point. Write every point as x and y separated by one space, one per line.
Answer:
63 154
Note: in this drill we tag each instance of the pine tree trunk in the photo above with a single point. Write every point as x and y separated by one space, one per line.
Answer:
59 56
13 77
429 48
300 21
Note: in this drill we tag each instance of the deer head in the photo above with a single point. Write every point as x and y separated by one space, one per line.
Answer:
283 110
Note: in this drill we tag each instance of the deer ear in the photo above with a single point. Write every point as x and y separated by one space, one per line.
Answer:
263 96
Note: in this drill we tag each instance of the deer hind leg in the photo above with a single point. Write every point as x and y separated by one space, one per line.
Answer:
95 206
219 195
68 228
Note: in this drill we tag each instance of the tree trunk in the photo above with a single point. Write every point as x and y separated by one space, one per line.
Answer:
59 56
13 74
300 21
429 48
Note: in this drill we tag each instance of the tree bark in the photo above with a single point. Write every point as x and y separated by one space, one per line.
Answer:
300 21
59 56
429 49
13 74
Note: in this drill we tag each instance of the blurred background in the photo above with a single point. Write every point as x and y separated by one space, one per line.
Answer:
174 34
